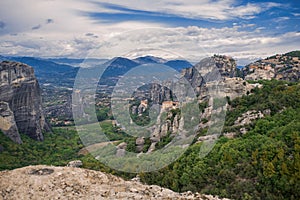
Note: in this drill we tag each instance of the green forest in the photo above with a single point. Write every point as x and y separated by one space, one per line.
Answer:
264 163
261 164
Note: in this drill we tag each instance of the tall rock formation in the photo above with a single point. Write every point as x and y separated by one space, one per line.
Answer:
215 68
20 102
203 77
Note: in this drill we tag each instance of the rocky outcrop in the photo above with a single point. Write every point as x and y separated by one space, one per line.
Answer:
193 76
248 117
260 74
48 182
202 78
8 123
139 142
211 69
230 87
75 163
158 94
21 110
281 67
245 119
121 149
226 65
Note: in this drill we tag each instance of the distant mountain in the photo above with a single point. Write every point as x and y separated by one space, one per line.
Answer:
62 71
80 62
118 66
48 71
120 62
2 58
149 59
43 66
178 64
68 61
175 64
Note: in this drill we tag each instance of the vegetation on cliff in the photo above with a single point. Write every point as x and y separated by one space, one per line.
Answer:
261 164
264 163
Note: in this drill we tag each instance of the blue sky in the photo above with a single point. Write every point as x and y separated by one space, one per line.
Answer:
284 16
190 29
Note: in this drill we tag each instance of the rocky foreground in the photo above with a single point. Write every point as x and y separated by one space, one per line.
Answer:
48 182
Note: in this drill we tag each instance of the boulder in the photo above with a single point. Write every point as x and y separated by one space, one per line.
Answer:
121 149
140 141
120 152
75 163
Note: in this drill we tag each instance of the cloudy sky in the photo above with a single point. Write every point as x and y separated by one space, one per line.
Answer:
190 29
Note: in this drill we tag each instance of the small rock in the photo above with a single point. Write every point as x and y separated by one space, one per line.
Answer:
121 152
140 141
75 163
243 130
122 145
69 189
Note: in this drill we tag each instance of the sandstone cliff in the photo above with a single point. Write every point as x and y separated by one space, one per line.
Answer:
20 102
45 182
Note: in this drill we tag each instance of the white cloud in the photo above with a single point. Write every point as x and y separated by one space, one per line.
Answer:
197 9
245 11
64 31
191 43
281 19
296 14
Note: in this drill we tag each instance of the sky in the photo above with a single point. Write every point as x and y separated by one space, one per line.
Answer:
187 29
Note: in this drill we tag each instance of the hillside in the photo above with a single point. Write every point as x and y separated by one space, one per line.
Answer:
263 163
256 157
280 66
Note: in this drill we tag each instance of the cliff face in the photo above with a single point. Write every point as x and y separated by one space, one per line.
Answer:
202 78
20 100
7 122
209 69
